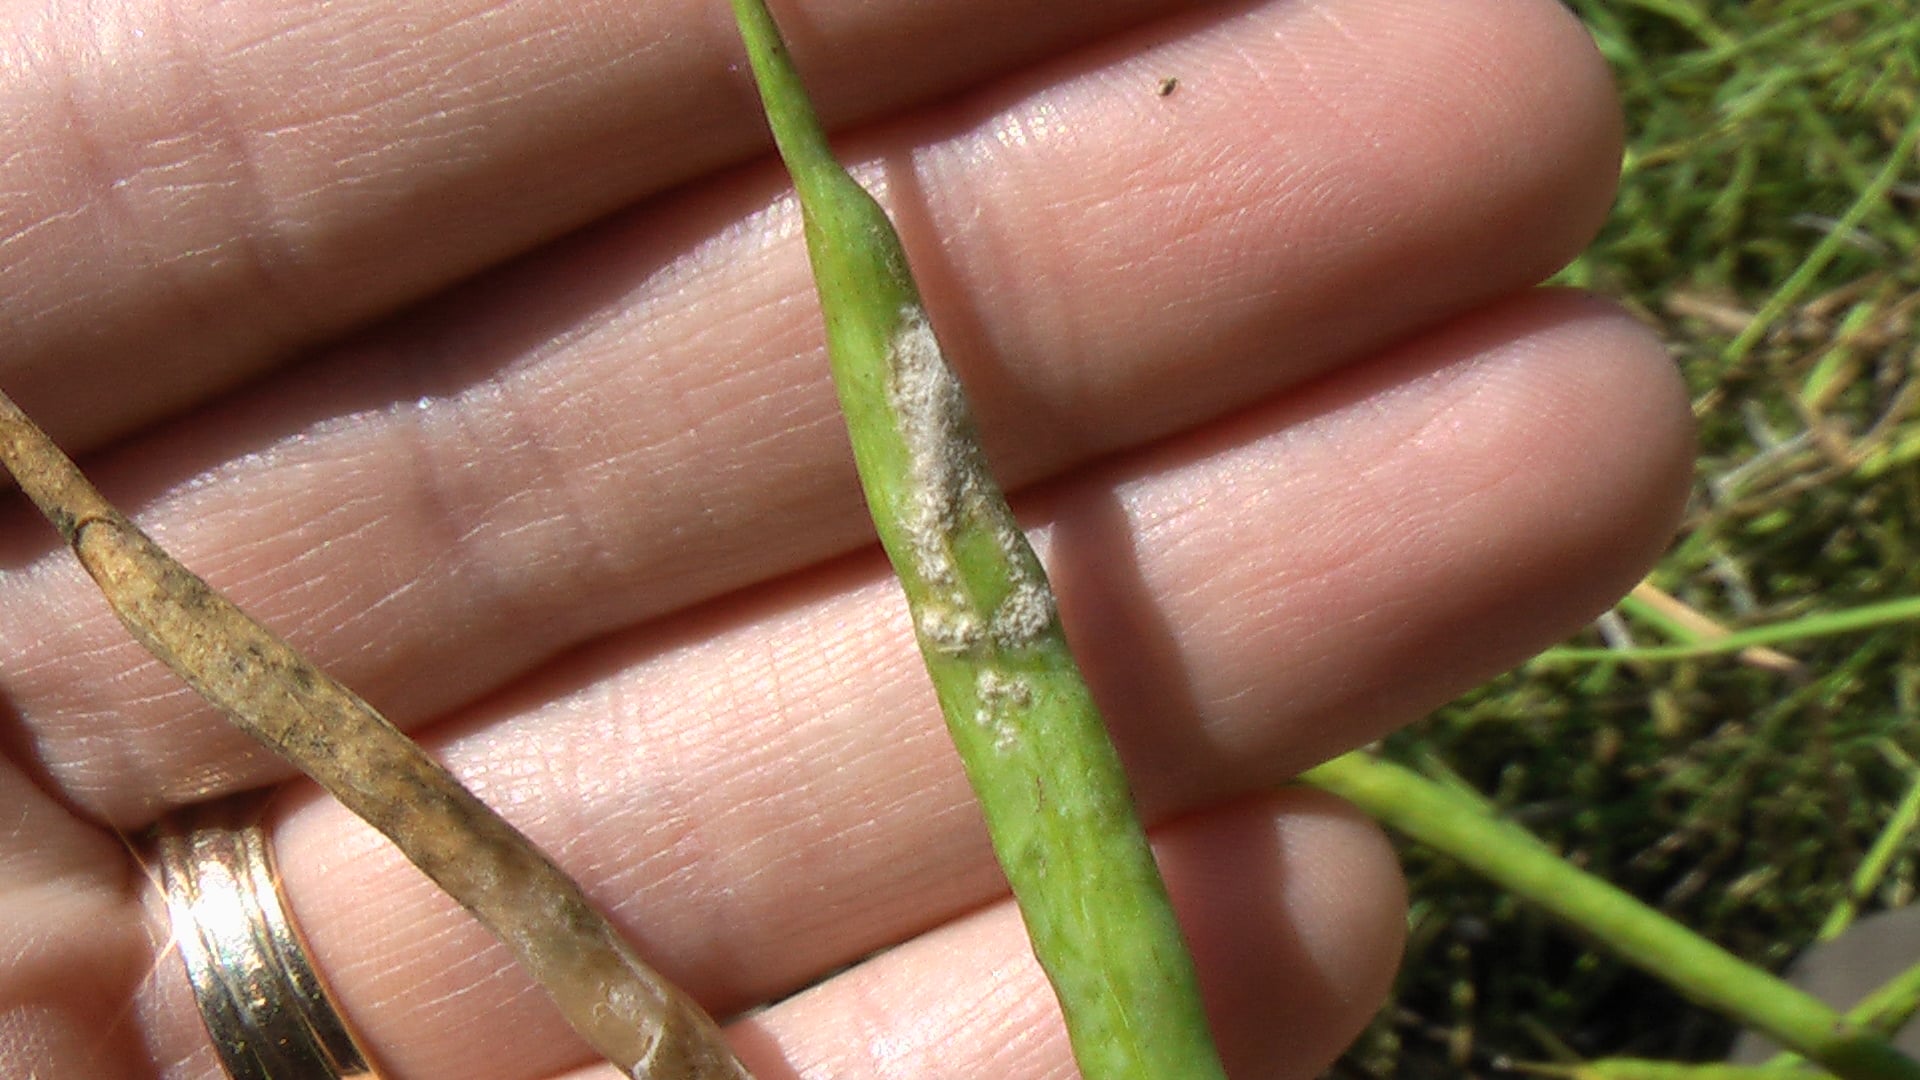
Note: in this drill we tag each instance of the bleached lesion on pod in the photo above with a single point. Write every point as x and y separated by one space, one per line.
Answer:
948 628
1001 695
949 490
945 474
1024 615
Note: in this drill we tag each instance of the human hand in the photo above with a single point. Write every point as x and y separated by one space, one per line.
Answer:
1304 458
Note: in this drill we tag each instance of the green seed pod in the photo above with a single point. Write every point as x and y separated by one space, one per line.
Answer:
1049 782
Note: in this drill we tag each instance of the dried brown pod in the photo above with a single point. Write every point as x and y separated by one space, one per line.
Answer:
626 1010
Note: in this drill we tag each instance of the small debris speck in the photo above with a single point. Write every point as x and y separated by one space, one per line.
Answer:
1167 86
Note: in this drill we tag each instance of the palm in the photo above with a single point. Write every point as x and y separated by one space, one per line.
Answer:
1304 456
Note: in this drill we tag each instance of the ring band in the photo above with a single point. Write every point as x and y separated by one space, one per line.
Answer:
263 1003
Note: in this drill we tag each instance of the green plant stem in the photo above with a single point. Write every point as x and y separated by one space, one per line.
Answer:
1637 1069
1883 1012
1892 841
1049 782
1824 624
1519 862
1675 628
1888 1008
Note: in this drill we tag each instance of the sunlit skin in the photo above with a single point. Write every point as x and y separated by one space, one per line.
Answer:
486 370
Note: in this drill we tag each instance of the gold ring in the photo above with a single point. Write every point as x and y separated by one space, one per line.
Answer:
263 1003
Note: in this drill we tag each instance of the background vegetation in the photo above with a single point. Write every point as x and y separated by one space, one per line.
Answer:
1768 225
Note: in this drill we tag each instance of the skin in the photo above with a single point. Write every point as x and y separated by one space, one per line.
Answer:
500 393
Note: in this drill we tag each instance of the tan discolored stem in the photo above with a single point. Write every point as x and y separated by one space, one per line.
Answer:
627 1011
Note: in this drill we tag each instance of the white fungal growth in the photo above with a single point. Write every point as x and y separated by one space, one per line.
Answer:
646 1068
1024 615
1028 608
944 470
948 629
948 490
996 687
1000 694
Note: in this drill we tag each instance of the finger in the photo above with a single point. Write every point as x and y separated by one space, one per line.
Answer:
1294 909
208 187
454 502
1292 904
73 942
761 792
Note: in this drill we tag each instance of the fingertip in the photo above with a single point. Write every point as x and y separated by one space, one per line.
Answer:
1612 448
1501 120
1295 909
